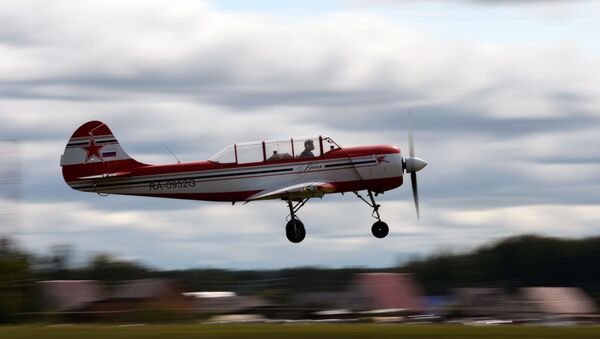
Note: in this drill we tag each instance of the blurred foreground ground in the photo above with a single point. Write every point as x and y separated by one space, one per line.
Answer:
530 281
312 331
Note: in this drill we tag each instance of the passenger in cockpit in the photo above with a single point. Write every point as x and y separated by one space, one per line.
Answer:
275 156
309 146
279 156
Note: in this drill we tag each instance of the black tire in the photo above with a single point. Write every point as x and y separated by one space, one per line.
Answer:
294 230
380 229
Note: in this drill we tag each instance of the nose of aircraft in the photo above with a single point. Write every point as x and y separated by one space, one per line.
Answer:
414 164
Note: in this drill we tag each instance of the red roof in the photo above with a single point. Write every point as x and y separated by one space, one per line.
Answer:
64 295
560 300
390 291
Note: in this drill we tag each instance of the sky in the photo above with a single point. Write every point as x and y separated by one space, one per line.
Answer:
504 98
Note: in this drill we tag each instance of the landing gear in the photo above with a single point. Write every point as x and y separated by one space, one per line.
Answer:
379 229
294 230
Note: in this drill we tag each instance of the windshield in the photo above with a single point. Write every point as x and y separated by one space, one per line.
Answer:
225 156
329 145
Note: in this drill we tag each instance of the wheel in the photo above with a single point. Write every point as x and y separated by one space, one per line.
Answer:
380 229
294 230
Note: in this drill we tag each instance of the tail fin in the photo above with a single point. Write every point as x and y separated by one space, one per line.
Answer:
94 152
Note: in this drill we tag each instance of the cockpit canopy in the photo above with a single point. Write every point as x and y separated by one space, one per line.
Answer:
272 150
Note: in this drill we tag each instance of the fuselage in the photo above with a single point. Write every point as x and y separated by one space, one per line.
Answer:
375 168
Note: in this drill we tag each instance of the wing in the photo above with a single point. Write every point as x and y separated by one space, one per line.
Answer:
296 192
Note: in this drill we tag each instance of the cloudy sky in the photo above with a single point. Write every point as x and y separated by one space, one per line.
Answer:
504 97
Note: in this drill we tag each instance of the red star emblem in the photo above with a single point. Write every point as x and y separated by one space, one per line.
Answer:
92 150
381 159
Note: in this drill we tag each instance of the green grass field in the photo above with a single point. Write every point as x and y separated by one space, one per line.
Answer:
311 331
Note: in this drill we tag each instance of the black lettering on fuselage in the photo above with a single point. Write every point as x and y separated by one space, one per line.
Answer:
171 184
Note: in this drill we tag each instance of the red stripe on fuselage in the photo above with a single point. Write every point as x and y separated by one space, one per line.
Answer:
375 185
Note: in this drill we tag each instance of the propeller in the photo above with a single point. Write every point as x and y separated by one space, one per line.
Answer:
413 164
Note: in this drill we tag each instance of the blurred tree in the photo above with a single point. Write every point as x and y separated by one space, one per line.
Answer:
15 282
514 262
61 256
106 267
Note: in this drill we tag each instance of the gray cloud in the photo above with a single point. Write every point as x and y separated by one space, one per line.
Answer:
482 2
505 129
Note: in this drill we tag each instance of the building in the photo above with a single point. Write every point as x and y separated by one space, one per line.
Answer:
69 295
87 300
558 302
146 294
484 302
380 292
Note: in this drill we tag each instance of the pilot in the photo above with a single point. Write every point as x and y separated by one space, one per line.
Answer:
309 146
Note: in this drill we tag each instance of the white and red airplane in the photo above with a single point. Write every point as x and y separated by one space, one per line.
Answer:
293 170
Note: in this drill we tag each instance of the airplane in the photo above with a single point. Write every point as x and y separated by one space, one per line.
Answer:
293 170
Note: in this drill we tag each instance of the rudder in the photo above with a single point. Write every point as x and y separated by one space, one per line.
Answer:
93 151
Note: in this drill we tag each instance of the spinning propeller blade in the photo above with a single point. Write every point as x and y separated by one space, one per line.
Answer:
413 164
411 141
415 190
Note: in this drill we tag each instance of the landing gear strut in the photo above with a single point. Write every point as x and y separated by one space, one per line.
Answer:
294 230
379 229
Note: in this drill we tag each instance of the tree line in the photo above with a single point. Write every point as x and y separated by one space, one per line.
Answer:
510 263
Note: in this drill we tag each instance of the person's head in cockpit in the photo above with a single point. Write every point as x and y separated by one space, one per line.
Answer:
309 146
